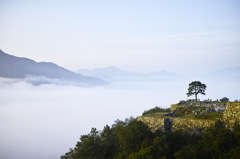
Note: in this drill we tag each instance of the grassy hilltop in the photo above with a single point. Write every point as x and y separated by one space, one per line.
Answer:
191 115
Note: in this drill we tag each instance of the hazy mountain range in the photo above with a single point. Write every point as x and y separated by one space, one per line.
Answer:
41 72
220 76
114 74
47 72
226 73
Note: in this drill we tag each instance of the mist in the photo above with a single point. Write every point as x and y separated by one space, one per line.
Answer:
45 121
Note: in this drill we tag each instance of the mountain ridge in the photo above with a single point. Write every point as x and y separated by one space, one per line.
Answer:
21 67
114 74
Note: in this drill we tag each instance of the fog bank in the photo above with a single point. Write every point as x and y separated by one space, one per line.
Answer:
45 121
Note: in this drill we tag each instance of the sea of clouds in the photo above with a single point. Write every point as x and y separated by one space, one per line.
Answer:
44 121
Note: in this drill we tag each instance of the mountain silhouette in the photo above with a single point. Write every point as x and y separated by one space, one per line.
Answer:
114 74
20 67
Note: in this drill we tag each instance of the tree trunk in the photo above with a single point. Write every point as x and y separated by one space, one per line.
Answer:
195 89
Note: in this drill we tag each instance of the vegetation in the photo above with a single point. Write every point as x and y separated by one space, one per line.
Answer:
183 111
216 142
224 99
195 88
176 106
209 116
155 110
134 140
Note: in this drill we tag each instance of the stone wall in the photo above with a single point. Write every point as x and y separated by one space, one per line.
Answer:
177 123
232 113
152 122
189 124
230 116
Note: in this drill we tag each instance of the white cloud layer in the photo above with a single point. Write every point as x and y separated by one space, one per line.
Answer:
45 121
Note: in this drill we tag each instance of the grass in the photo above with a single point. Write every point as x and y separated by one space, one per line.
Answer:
158 114
185 112
207 116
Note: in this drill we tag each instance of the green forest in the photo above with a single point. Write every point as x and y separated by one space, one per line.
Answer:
133 139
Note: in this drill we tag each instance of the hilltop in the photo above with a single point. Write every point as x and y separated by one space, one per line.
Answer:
188 115
152 136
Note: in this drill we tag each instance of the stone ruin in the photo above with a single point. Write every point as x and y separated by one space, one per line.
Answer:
167 124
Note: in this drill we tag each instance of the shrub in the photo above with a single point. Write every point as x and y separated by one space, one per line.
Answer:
155 110
182 111
224 99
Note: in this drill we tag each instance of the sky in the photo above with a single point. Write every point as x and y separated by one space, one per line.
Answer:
185 37
178 36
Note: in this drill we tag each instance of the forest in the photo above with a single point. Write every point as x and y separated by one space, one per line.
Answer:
133 139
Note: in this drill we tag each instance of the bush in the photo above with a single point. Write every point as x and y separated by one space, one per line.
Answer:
224 99
155 110
182 111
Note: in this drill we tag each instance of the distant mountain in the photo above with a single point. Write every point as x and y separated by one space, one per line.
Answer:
114 74
163 76
111 74
228 71
111 71
226 74
19 67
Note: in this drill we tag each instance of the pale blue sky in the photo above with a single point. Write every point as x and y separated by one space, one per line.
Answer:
180 36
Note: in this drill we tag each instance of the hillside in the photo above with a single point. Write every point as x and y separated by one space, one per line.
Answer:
19 67
135 138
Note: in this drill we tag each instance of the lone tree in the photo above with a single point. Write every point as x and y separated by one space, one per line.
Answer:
195 88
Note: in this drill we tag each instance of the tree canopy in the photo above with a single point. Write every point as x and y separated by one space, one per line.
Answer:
134 140
195 88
